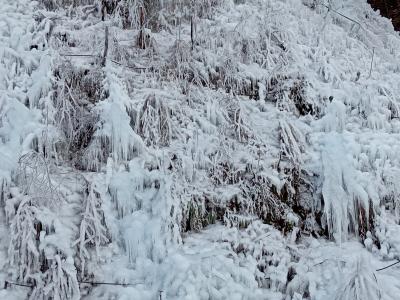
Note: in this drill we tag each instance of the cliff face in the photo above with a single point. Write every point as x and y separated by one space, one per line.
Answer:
389 9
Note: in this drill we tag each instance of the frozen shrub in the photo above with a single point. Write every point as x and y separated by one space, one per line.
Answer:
153 122
23 248
34 179
237 120
200 212
92 231
58 282
77 90
361 283
290 93
113 134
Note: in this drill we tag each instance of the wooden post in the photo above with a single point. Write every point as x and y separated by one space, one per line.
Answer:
141 40
103 62
103 10
192 31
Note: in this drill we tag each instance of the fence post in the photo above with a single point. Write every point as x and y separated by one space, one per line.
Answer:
103 62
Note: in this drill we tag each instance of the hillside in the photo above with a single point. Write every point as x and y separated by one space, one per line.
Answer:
178 149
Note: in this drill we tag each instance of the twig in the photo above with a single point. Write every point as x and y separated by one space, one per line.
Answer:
261 237
381 269
328 259
320 263
379 290
133 68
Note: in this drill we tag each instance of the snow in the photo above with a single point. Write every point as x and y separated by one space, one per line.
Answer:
257 161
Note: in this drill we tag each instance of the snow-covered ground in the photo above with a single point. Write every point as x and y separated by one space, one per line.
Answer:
250 151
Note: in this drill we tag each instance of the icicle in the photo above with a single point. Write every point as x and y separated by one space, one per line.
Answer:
344 190
335 118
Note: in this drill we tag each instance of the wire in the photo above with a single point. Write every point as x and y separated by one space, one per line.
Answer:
18 284
397 262
85 282
111 283
340 14
113 61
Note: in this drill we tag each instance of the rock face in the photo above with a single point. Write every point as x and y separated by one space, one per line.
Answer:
389 9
